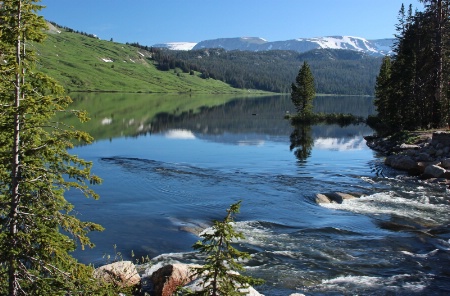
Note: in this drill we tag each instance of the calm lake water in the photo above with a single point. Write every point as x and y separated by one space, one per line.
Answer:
170 167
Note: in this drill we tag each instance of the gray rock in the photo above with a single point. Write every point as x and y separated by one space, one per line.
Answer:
401 162
442 137
424 157
445 163
434 171
322 199
335 197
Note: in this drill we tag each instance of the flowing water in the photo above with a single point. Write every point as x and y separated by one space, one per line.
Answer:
168 175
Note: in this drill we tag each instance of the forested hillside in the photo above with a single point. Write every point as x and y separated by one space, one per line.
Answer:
335 71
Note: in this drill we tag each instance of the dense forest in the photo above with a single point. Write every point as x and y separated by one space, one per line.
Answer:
335 71
412 87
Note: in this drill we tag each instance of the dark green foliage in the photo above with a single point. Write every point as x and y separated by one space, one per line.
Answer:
220 272
302 141
330 118
38 229
412 87
303 91
335 71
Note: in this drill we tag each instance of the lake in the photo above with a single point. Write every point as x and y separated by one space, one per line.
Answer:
172 164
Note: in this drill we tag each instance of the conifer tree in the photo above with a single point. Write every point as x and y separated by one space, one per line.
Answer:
220 272
382 89
37 227
303 91
415 94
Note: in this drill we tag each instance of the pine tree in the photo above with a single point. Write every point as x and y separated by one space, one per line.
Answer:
220 273
38 229
382 89
303 91
415 94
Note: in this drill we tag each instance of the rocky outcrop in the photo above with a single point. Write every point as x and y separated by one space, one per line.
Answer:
122 274
168 278
428 158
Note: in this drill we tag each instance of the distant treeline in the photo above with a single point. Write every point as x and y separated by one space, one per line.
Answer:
335 71
73 31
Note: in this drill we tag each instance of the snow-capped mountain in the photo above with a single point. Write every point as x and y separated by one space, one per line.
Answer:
177 45
372 47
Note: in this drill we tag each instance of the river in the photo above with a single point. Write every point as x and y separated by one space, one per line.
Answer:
171 165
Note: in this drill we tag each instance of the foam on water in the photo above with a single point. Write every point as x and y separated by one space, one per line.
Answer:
403 284
390 203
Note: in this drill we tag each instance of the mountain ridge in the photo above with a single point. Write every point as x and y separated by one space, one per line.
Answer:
376 47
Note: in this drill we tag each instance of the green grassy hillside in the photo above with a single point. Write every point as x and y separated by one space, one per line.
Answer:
82 63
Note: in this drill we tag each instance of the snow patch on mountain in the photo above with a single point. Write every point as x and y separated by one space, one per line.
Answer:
177 45
378 47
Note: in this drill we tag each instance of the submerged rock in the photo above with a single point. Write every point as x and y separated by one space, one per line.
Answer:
335 197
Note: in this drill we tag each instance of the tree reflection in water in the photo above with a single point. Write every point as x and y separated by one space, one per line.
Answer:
302 141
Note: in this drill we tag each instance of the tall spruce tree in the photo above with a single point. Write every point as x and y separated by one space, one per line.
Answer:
37 227
382 89
415 96
303 91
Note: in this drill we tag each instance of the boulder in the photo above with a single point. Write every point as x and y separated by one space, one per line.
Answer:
122 274
434 171
445 163
322 199
441 137
401 162
168 278
333 197
424 157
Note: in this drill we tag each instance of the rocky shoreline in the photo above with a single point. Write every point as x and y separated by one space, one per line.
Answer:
426 158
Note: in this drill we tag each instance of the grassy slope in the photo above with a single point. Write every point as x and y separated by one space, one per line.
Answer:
76 62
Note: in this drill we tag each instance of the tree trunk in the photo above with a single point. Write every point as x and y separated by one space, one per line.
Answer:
15 169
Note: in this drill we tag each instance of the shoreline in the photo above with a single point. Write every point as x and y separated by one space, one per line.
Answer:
424 155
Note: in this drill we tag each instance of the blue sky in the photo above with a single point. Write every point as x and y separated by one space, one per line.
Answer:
150 22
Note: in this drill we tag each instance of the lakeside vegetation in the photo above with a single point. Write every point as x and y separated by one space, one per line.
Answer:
412 89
